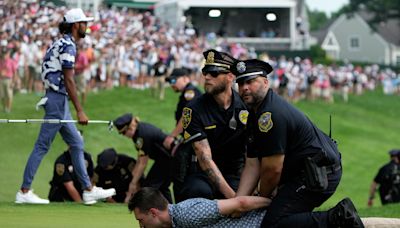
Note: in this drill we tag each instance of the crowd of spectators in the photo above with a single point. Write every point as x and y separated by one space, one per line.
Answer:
125 46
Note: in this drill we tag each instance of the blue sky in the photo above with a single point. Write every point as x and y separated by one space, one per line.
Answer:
328 6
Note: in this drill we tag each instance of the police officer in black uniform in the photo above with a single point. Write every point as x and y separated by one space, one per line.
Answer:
180 81
148 141
388 179
215 125
114 170
65 185
285 152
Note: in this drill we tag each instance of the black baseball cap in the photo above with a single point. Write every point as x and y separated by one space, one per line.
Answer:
107 158
394 152
176 73
122 123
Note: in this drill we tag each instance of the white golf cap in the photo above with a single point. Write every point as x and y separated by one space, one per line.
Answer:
76 15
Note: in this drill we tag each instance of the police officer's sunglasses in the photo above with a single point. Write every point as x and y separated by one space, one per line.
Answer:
213 74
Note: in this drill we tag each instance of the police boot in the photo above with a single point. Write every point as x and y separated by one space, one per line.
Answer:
344 215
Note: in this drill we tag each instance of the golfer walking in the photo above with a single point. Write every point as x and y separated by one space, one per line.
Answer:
57 75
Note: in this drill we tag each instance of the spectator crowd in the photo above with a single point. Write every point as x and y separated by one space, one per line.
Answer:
133 49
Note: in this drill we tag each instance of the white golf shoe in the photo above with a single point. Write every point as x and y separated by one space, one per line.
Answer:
97 193
30 198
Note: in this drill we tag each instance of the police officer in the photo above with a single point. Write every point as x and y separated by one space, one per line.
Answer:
65 185
148 141
215 124
114 170
180 82
285 150
388 179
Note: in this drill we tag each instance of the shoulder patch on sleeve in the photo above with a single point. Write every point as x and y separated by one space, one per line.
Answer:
60 169
139 143
186 117
189 94
265 122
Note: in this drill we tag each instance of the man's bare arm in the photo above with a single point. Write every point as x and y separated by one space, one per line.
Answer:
71 89
249 177
203 153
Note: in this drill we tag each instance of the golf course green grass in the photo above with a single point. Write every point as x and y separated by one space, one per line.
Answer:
366 128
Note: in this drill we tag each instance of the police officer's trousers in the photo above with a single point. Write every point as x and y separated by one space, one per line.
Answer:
294 203
57 107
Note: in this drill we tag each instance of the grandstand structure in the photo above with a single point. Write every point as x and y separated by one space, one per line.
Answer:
264 25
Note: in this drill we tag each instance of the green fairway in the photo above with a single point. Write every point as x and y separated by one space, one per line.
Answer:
366 128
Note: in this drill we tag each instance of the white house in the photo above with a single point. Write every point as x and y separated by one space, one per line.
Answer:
352 38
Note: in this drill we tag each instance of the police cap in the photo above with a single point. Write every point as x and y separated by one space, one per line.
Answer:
249 69
122 123
107 158
176 73
394 152
218 61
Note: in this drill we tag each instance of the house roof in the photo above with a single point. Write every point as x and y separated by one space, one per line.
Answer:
389 30
321 33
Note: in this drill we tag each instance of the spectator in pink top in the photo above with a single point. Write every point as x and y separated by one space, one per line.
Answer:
8 70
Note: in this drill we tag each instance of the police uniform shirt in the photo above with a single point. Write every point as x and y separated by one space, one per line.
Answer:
203 118
190 92
385 178
119 177
149 140
65 172
278 127
61 55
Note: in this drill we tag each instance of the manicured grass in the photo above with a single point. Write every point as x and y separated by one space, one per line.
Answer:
366 128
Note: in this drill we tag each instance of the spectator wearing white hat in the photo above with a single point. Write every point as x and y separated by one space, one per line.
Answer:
58 77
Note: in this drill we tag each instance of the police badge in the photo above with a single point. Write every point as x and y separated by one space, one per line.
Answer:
265 122
241 67
210 57
186 117
243 115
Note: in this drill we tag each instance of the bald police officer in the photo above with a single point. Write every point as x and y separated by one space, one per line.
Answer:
288 154
148 141
215 124
114 170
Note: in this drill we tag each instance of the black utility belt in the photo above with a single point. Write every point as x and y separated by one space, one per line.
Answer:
316 176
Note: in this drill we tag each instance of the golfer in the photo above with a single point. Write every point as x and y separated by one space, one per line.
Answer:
58 77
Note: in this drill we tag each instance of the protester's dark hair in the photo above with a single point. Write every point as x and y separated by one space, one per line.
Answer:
65 27
147 198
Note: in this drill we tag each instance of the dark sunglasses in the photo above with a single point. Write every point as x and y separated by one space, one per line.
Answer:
214 74
172 81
